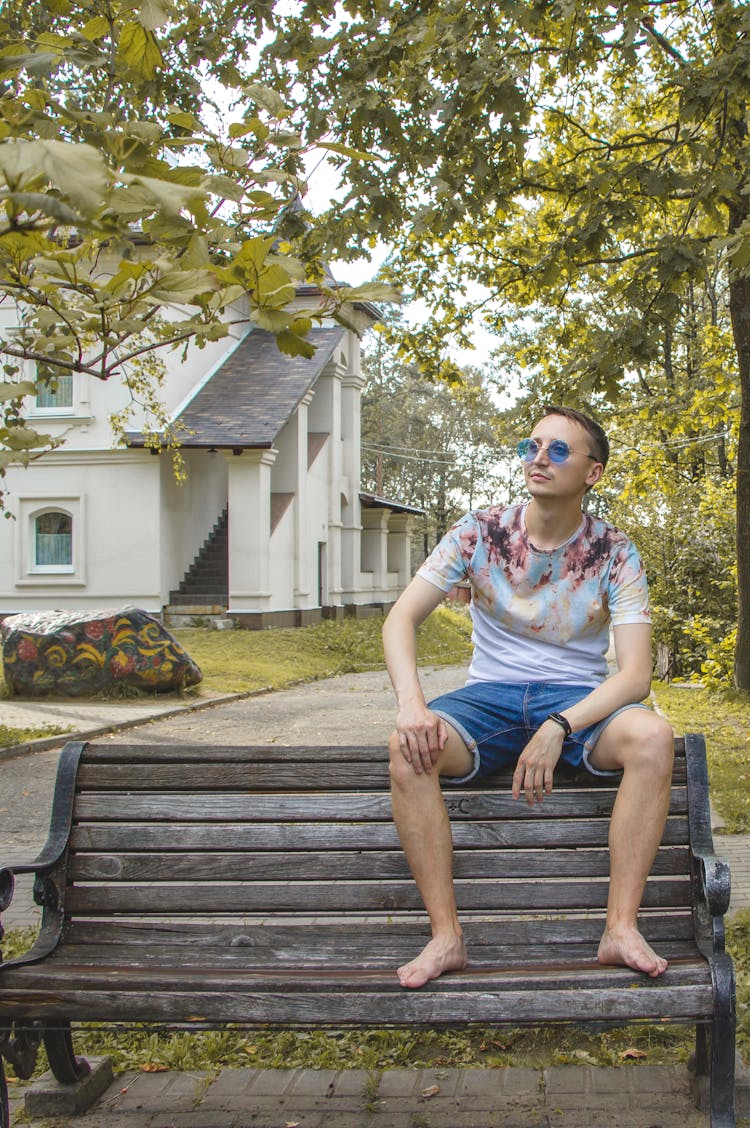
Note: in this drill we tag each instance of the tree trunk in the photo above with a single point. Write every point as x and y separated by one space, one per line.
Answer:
739 306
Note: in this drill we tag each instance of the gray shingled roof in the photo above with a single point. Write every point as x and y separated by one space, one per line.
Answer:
252 395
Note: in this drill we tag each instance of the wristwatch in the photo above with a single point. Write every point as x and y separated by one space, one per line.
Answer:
559 719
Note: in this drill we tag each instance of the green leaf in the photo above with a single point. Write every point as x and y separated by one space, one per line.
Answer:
369 292
185 120
347 151
17 391
289 343
185 286
170 197
276 321
139 50
34 202
154 13
268 99
96 28
78 170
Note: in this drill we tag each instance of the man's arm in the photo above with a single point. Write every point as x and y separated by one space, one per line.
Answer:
631 683
422 734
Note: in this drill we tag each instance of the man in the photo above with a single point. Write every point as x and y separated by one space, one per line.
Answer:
547 580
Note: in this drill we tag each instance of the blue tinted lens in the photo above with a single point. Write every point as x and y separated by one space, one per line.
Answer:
558 450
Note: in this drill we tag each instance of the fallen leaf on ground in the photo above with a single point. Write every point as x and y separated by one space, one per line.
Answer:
584 1056
632 1054
154 1067
432 1091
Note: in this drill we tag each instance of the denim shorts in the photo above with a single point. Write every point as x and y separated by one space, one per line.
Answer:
496 720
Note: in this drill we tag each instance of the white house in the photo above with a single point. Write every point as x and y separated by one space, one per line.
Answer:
270 526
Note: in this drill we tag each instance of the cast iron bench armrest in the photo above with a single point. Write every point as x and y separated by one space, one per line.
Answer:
713 880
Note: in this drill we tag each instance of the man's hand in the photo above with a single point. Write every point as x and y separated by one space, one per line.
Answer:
537 763
422 735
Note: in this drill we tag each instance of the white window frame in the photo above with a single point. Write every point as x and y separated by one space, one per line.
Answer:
29 572
79 409
59 409
38 567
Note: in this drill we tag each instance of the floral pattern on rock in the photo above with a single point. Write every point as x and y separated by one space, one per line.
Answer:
76 654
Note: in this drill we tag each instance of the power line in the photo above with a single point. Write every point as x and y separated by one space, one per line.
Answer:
684 441
410 457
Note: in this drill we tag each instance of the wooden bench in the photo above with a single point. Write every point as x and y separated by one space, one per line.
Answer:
203 886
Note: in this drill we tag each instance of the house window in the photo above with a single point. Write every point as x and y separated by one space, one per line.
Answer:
57 395
50 541
53 542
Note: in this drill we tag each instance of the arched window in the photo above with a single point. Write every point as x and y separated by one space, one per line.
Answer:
53 540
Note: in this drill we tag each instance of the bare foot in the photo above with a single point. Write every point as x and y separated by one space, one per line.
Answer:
627 947
435 958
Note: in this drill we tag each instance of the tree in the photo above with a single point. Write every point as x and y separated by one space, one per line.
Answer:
607 170
129 224
429 444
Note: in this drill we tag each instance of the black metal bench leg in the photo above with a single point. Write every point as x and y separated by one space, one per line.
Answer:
67 1068
722 1042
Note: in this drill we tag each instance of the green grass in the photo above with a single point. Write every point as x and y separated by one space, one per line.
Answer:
10 736
240 661
724 719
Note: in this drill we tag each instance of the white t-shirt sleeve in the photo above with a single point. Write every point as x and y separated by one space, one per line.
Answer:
448 563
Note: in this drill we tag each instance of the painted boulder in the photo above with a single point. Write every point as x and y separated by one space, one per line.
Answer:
77 654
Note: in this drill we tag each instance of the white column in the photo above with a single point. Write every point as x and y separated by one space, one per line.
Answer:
249 496
399 548
351 519
375 548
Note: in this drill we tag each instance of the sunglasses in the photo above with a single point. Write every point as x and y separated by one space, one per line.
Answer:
557 450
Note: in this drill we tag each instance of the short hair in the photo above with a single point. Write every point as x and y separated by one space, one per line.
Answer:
599 441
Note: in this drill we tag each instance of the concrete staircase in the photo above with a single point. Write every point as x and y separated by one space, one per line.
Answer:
204 592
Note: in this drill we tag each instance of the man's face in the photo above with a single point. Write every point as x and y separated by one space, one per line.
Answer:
546 477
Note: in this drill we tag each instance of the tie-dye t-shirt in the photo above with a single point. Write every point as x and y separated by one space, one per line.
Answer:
540 616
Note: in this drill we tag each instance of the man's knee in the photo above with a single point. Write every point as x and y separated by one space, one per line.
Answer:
637 739
401 771
649 745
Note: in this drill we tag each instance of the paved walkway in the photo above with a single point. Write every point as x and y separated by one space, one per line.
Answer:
356 707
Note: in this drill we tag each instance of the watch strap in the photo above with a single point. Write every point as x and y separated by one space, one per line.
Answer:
559 719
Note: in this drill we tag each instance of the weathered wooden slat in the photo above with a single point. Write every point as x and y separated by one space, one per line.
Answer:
562 976
284 754
109 753
212 774
332 938
231 807
215 776
360 896
352 865
359 952
380 1006
336 835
